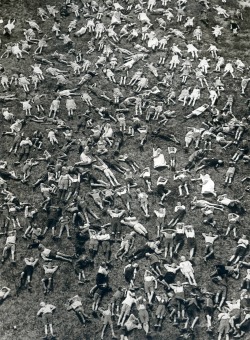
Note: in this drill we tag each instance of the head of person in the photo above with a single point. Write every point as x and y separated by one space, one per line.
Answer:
183 258
103 230
41 247
42 304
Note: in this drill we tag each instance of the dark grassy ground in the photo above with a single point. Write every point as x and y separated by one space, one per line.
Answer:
21 311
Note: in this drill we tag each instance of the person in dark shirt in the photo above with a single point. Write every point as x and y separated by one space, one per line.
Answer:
54 213
210 163
130 272
194 158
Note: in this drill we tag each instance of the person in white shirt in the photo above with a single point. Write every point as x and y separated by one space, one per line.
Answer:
126 307
179 236
75 304
46 311
10 245
143 201
233 220
130 324
141 305
187 270
190 234
235 312
133 222
178 289
4 293
49 255
241 250
150 284
224 326
195 95
209 240
47 281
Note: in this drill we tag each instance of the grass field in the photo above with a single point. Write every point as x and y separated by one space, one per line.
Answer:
20 311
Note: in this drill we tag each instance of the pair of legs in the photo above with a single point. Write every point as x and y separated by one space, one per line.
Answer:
105 324
111 178
209 251
63 257
168 249
47 319
8 247
51 223
150 294
160 312
144 206
123 250
190 277
47 284
231 227
239 254
125 311
66 227
193 323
